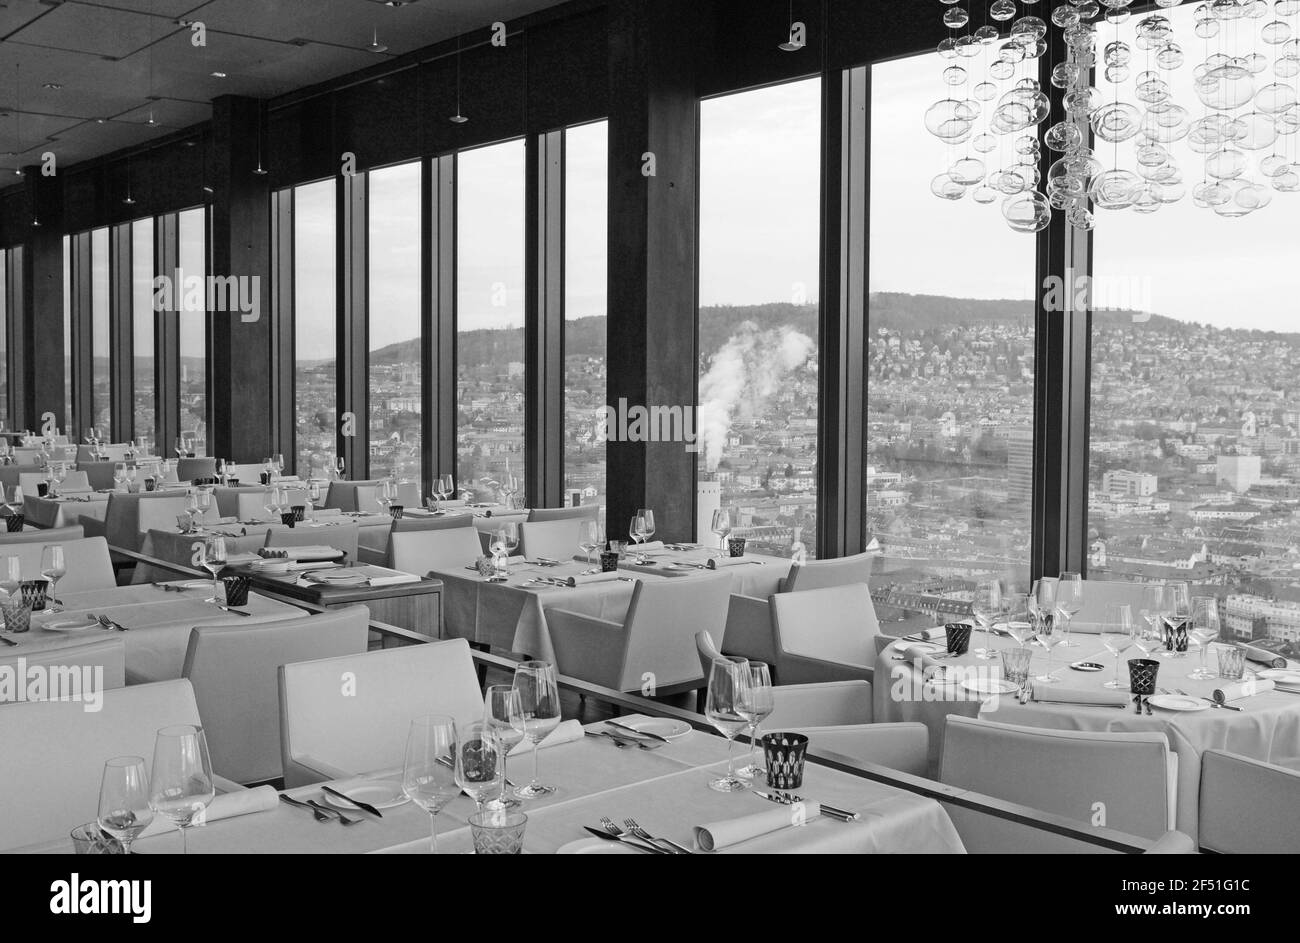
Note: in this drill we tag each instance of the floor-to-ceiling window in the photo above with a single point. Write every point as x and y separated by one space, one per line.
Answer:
950 361
394 326
100 382
1195 396
68 417
144 401
315 375
490 318
586 227
760 179
193 330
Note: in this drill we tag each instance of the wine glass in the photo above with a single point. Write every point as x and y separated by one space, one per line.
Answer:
509 531
1204 629
53 568
539 701
182 783
223 469
721 527
503 712
1019 616
589 538
1069 601
426 779
724 707
1117 637
278 461
636 530
478 761
214 561
649 517
1045 634
1154 601
119 474
756 705
271 501
1149 636
338 467
986 607
124 799
130 477
11 574
1178 610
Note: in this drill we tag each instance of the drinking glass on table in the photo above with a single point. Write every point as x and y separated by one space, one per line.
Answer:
130 476
1069 602
1148 635
722 527
1117 637
1154 602
214 561
757 703
53 568
124 799
503 713
338 467
11 574
539 701
724 707
478 761
649 517
272 501
636 530
1178 611
1204 629
1019 617
278 461
986 607
182 783
1046 630
590 538
119 474
426 779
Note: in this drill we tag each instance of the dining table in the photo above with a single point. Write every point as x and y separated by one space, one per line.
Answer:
372 546
1265 726
64 510
156 622
664 788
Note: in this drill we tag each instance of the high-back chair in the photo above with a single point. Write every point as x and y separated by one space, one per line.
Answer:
655 643
250 504
329 734
340 537
584 512
187 469
113 452
422 551
58 788
234 670
556 540
824 634
248 473
406 525
99 474
1248 806
88 564
30 482
105 652
159 513
1129 779
834 571
51 535
367 496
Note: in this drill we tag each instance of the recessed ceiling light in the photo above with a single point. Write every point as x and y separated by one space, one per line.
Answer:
52 86
375 45
218 75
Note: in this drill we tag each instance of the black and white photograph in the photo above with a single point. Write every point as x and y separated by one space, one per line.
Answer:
650 427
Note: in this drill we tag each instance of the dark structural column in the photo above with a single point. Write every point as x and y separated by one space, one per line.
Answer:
122 328
652 358
41 343
438 311
239 378
352 302
544 426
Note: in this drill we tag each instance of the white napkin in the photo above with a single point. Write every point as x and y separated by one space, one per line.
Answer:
923 653
582 579
715 562
1100 697
1263 656
225 806
1239 689
567 732
642 548
318 552
718 835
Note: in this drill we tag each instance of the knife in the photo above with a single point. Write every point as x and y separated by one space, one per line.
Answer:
628 841
237 612
828 810
363 806
1226 707
639 733
7 640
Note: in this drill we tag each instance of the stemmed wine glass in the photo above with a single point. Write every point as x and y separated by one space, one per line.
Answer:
387 493
1204 629
649 517
1069 602
757 702
1045 634
214 561
986 607
589 538
278 461
636 530
478 761
124 799
443 489
722 527
11 574
1117 636
338 467
426 779
53 568
182 783
273 501
1019 613
724 707
504 542
503 712
223 469
1154 604
1149 636
119 475
1178 610
539 702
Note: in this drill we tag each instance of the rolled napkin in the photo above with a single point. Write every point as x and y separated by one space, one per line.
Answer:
582 579
234 559
718 562
327 512
225 806
718 835
925 655
643 548
1096 697
1236 690
1263 656
318 552
567 732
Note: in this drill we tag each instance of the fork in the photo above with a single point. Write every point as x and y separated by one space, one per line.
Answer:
333 812
608 825
320 816
642 834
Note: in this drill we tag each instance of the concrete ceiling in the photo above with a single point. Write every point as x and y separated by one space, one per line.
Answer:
128 71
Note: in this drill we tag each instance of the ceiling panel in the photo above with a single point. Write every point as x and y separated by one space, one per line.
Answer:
168 8
16 13
97 30
168 115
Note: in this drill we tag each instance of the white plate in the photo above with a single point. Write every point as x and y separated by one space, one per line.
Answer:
70 625
596 846
1178 702
193 584
380 793
1281 675
668 729
988 686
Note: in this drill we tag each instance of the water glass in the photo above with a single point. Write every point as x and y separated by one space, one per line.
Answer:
497 832
1142 674
1015 665
124 799
1232 662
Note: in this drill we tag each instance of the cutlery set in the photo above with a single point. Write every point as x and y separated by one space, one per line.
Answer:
625 740
637 837
324 813
789 798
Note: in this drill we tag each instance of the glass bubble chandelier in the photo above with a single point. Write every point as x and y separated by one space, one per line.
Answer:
1124 140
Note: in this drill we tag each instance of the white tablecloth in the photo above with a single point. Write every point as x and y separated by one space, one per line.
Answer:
1267 728
760 578
372 543
64 512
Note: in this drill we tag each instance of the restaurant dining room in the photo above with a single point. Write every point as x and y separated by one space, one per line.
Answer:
649 427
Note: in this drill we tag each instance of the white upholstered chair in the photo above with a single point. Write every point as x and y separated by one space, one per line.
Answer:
87 561
1126 781
340 537
421 551
76 481
107 652
584 512
555 540
833 571
51 535
824 634
344 716
1248 806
